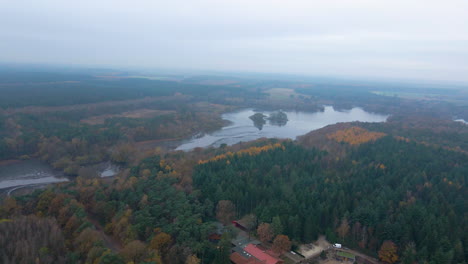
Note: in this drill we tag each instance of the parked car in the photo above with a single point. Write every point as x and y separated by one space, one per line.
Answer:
337 245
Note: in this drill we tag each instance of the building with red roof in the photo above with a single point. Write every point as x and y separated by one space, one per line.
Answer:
239 259
251 254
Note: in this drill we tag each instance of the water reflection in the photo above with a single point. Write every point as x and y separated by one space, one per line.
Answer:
279 118
244 128
259 120
28 172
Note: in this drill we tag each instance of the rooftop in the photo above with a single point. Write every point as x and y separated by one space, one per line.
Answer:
261 255
239 259
242 241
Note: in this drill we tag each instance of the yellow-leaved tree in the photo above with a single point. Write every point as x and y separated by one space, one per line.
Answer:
388 252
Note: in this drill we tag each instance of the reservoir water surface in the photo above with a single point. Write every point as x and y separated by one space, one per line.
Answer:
28 173
242 128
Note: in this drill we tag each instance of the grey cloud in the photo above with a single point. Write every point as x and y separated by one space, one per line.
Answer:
399 39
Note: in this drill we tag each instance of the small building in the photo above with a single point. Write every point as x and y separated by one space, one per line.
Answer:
240 225
247 223
238 258
242 241
217 233
214 238
345 256
253 254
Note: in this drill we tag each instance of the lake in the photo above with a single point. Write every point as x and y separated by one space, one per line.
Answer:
27 173
461 120
31 173
242 128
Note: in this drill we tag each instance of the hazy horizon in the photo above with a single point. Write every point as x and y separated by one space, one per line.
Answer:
401 40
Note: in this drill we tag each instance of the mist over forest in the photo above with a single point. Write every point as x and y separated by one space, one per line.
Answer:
234 132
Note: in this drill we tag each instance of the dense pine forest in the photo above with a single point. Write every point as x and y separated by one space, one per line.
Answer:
381 191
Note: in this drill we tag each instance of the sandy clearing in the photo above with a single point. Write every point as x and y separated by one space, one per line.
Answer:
314 249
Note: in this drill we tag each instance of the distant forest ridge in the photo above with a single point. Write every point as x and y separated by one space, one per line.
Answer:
38 88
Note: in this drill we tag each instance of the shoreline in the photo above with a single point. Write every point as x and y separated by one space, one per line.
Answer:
9 162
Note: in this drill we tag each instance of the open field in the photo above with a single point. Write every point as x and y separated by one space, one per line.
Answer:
409 95
139 113
78 107
282 93
458 98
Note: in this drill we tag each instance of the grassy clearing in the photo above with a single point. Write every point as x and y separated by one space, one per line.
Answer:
282 93
139 113
409 95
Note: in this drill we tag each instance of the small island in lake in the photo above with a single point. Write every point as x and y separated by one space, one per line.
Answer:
259 120
278 118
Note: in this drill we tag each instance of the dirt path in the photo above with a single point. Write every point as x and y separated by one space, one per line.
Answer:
312 250
332 261
366 257
110 242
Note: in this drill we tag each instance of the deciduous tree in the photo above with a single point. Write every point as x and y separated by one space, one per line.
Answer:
225 211
86 240
388 252
343 229
161 242
249 221
192 259
265 232
134 251
281 244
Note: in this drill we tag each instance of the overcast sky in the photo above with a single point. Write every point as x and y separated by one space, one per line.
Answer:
420 39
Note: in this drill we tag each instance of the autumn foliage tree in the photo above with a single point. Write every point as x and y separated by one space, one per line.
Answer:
249 222
252 151
225 211
343 229
134 251
388 252
281 244
30 239
86 240
355 135
265 232
161 242
192 259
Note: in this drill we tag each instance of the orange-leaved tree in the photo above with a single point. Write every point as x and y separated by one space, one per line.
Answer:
388 252
161 241
281 244
265 232
225 211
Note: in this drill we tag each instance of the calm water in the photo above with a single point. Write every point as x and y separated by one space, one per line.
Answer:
461 120
242 128
109 170
28 172
35 173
